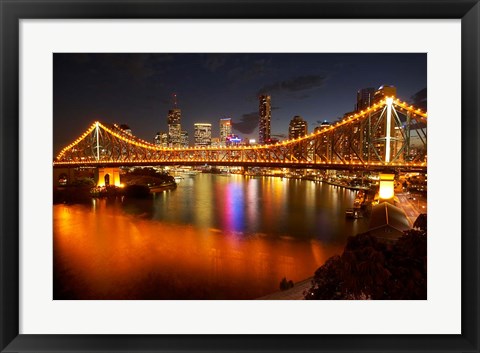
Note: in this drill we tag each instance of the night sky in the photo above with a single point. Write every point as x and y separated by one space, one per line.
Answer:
136 89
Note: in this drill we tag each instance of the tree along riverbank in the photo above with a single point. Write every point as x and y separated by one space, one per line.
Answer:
368 269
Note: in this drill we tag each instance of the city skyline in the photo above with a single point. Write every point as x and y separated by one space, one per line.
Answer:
315 97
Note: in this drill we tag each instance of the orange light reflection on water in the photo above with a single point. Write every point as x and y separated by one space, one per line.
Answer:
102 252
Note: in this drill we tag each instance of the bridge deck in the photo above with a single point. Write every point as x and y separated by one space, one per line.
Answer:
320 166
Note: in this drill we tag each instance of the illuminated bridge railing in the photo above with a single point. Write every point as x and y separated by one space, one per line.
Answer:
390 134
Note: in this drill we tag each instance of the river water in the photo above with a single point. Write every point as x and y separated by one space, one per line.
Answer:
213 237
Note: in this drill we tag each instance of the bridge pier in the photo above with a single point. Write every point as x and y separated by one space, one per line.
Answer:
108 176
63 176
387 184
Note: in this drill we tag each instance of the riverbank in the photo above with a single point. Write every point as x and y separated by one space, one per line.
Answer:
322 180
350 187
81 194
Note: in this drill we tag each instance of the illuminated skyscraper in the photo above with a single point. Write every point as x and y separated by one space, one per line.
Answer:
161 139
184 138
364 98
174 127
265 115
203 134
225 130
174 124
298 127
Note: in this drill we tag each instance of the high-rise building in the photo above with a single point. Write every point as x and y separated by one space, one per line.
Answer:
325 146
174 128
384 91
364 98
203 134
265 115
161 139
225 130
297 128
184 139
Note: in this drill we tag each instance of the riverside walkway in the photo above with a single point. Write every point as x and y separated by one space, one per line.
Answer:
294 293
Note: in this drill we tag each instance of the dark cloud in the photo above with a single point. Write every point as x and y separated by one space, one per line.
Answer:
419 99
296 84
247 124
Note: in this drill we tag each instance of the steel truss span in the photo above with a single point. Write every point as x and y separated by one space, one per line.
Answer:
390 134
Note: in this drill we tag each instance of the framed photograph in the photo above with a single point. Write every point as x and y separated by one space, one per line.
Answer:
229 176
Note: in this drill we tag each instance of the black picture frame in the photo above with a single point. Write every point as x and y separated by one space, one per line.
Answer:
12 11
